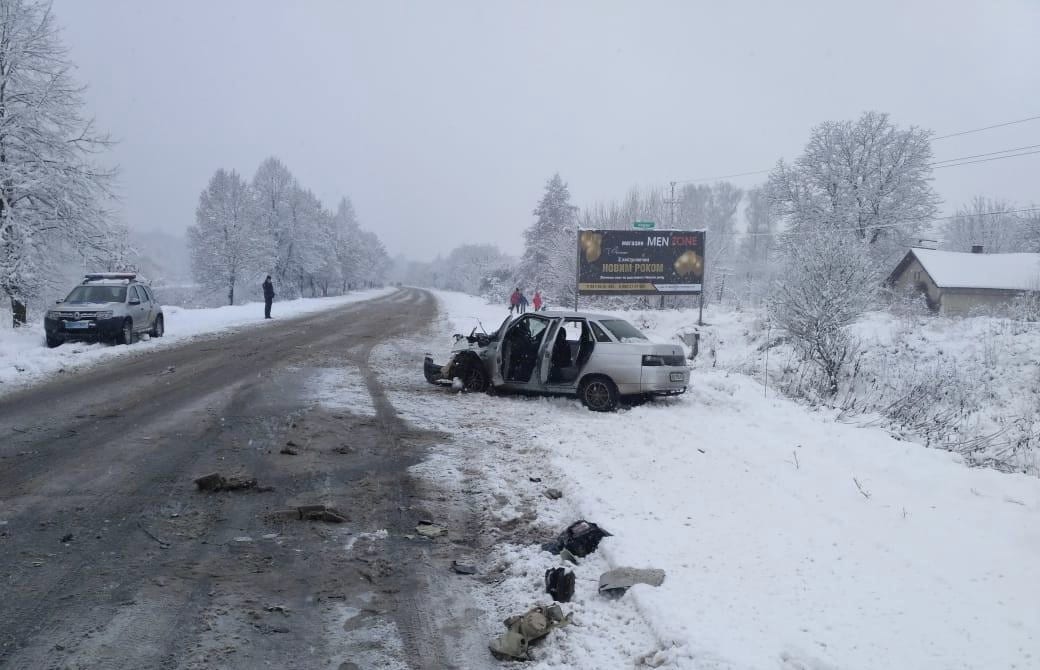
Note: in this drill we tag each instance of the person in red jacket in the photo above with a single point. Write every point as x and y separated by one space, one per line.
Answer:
537 302
514 301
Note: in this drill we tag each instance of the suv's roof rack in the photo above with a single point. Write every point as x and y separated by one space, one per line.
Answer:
111 275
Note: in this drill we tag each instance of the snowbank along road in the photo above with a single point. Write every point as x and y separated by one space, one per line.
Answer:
111 557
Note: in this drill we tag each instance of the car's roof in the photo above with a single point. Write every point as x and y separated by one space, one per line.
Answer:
108 282
580 315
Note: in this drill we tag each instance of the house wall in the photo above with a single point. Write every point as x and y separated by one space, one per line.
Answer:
963 301
913 277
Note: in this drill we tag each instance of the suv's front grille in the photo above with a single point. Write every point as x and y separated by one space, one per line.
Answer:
76 316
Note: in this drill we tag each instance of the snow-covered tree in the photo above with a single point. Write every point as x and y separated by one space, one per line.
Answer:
713 208
52 194
274 187
471 267
991 223
866 176
227 244
1031 233
755 253
827 280
549 262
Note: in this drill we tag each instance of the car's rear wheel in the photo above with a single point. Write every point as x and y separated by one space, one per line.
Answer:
126 335
158 328
474 378
599 394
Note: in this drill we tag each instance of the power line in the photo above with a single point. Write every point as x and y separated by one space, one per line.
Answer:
894 225
992 153
979 130
724 176
941 137
986 160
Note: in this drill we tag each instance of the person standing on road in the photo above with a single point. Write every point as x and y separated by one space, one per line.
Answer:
523 302
514 301
268 296
537 301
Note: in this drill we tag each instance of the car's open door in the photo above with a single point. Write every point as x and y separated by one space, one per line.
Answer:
545 355
497 378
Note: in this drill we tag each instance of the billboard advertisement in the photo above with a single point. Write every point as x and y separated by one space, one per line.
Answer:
640 262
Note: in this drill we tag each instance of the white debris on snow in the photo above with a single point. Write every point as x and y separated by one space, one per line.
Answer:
25 358
788 539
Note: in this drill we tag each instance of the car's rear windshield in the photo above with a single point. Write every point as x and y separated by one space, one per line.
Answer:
97 294
623 331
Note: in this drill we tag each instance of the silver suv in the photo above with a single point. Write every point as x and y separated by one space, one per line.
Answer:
106 306
597 358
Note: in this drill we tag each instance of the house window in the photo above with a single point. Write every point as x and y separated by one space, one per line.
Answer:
917 275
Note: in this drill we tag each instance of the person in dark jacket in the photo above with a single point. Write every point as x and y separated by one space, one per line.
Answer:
268 296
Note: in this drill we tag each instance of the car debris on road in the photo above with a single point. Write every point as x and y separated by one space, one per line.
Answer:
614 583
525 629
579 539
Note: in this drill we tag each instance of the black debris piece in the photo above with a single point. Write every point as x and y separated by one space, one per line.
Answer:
581 538
559 583
464 568
320 513
553 494
218 482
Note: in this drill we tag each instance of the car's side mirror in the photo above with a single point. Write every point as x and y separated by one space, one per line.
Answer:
134 302
57 302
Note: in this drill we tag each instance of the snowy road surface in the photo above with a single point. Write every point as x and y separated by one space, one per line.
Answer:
111 559
24 358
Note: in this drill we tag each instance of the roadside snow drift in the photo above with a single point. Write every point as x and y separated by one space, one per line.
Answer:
789 540
25 358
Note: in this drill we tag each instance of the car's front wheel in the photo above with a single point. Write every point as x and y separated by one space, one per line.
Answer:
158 328
126 335
599 394
473 376
54 342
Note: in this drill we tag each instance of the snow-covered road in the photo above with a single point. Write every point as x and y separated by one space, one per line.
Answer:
790 540
25 358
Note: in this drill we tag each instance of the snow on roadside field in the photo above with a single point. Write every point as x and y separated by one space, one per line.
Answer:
789 540
25 358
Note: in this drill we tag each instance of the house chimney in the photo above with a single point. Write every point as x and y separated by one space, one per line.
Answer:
976 248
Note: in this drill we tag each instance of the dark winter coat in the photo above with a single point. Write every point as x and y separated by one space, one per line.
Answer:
268 290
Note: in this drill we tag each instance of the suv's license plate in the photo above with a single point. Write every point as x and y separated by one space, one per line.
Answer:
76 325
675 376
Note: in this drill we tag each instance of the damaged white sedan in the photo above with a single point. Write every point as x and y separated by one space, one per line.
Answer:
600 359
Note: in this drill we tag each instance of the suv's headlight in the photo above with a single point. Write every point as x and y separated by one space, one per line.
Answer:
53 314
107 314
651 360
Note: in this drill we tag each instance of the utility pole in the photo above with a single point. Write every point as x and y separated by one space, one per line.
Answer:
671 201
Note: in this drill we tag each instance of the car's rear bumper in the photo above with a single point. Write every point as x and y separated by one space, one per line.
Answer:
95 329
664 380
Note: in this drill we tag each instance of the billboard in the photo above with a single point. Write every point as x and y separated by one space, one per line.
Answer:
640 262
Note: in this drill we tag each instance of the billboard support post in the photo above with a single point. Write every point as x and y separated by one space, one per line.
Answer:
700 311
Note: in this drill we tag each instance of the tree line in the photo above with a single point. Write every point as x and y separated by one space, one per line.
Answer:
245 230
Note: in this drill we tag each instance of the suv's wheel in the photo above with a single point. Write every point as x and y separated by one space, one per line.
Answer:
474 378
54 342
599 394
126 335
158 327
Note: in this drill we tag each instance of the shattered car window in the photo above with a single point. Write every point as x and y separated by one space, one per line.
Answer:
623 330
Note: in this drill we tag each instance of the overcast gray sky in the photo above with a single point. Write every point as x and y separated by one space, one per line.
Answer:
442 120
